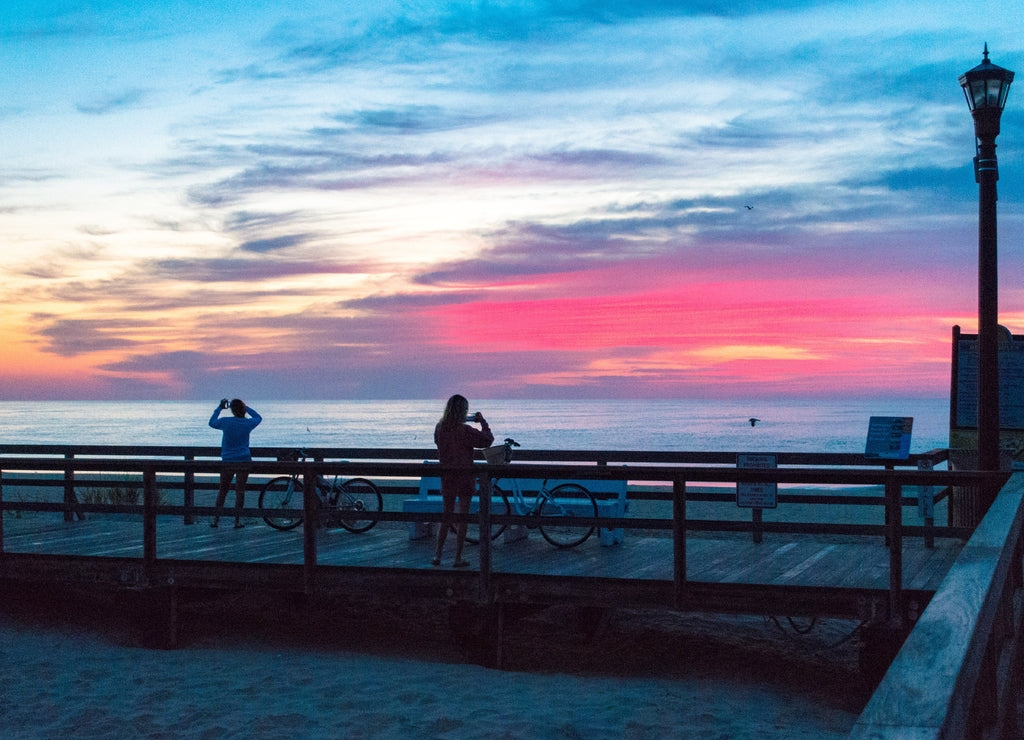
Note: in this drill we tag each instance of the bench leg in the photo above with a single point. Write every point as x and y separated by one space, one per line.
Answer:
611 537
420 530
515 532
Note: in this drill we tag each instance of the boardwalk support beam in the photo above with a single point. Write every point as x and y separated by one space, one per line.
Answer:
311 520
156 616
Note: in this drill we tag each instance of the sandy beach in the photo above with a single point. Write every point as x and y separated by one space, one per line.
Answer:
252 667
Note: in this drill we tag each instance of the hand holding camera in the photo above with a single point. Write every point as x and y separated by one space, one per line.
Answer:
224 403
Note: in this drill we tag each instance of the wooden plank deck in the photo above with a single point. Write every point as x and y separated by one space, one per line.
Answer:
780 560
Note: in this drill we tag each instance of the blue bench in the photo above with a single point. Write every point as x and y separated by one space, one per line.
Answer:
611 496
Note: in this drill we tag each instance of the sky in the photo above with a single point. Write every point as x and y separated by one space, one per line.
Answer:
560 199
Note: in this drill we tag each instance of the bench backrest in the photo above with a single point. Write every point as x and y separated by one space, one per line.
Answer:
429 486
530 486
604 488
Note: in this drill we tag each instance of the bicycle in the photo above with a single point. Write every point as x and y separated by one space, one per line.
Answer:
564 500
340 503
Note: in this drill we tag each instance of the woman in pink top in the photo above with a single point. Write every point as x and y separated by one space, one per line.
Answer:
456 441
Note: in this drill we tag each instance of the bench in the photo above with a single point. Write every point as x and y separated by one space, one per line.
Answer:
611 497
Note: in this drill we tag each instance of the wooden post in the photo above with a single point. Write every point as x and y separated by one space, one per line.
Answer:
679 540
499 636
889 468
311 515
3 513
757 517
189 492
894 509
70 499
156 614
149 499
485 535
1016 568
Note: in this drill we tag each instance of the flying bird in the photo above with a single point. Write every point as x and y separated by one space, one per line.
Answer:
753 421
749 208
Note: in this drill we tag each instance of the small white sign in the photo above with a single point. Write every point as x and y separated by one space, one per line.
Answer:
756 495
889 437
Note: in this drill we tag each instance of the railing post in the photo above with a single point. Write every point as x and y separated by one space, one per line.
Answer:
149 499
679 541
756 518
889 468
189 490
485 535
926 506
70 500
3 513
1016 566
310 522
894 521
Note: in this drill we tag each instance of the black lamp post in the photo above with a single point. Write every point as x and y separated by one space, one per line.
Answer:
986 87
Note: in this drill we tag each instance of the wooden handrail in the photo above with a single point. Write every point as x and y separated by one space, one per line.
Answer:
601 457
957 674
385 469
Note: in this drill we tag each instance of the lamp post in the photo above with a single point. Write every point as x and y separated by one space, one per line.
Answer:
986 87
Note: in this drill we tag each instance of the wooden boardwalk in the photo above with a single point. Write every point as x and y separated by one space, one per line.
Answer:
642 566
959 600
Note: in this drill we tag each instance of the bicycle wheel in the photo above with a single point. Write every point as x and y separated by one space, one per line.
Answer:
357 495
567 499
500 506
281 502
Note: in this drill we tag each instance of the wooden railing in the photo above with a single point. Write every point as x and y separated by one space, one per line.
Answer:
958 672
189 485
599 457
186 468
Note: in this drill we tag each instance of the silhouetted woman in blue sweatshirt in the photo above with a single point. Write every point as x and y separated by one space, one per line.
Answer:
234 447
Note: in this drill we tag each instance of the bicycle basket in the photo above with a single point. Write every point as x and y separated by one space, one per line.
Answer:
496 455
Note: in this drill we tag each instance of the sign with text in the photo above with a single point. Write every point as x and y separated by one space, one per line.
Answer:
965 380
889 437
756 495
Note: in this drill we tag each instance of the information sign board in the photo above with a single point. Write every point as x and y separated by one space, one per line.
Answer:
889 437
963 401
756 495
965 380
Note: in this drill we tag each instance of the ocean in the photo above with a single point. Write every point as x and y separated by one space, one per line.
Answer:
784 425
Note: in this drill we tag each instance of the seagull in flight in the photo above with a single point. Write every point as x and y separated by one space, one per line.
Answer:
753 421
749 208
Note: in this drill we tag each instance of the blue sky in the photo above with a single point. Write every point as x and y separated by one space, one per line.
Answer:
506 199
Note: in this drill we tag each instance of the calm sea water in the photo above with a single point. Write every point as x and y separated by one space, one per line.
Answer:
784 426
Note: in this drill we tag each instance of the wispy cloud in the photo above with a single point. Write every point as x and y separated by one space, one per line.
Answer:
112 102
529 198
